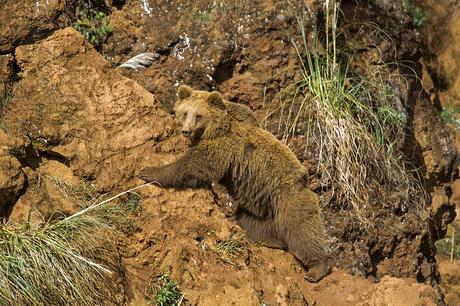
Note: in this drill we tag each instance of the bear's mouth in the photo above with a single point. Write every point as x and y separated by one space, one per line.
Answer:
194 138
189 141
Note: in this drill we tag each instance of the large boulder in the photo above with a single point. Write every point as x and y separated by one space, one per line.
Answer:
28 21
82 119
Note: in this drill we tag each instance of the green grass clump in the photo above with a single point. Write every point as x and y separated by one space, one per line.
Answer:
203 17
122 216
54 263
165 291
63 261
415 12
449 115
352 123
449 247
119 216
94 26
133 203
5 96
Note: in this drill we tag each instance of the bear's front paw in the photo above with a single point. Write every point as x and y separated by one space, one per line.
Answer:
147 174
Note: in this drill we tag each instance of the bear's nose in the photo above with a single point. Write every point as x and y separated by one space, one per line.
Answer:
186 133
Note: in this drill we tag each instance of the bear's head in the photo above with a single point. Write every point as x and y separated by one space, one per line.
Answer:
201 113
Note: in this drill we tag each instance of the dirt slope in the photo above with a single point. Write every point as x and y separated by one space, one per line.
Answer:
443 82
74 117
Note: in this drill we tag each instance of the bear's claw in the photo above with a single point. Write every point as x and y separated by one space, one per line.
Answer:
318 271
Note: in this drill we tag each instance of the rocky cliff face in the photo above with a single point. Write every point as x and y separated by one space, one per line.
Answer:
75 117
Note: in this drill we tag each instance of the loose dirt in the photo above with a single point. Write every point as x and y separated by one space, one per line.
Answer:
75 119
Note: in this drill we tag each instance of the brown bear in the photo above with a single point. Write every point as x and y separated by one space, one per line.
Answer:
238 112
275 206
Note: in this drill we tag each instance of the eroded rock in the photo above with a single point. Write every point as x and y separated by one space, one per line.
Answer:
75 108
11 176
29 20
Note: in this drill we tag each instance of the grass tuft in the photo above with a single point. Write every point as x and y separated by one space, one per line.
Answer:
165 291
63 261
231 248
203 17
83 193
351 125
449 246
121 216
53 263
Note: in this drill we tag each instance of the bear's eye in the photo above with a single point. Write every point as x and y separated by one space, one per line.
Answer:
198 117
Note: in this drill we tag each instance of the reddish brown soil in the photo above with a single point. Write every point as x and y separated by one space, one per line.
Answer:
75 117
441 30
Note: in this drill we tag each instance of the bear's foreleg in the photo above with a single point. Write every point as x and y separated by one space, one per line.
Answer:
198 167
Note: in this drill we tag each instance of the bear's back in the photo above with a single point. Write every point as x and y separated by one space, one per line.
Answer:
261 167
263 150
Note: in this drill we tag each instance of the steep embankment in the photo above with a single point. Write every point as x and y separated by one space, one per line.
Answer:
73 117
441 80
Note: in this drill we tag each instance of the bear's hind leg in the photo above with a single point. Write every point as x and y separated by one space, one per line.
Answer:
309 247
303 230
319 270
260 230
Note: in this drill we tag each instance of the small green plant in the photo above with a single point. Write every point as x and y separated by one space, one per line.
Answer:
449 115
203 17
94 25
450 245
165 291
416 13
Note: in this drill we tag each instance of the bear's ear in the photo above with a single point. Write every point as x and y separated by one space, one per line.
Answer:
215 100
184 92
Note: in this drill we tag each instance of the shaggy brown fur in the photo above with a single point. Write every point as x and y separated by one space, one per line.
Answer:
237 111
261 173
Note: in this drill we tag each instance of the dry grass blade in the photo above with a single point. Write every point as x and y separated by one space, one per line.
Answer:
231 248
83 193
